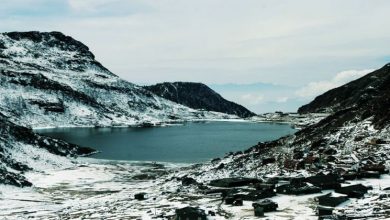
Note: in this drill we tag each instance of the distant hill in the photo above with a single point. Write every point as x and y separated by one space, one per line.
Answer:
198 96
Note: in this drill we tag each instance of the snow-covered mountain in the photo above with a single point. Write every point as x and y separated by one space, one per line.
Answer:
198 96
49 79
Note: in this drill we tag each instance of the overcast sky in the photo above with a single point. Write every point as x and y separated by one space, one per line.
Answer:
309 45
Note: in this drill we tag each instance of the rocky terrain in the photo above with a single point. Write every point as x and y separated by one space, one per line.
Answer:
350 144
198 96
22 150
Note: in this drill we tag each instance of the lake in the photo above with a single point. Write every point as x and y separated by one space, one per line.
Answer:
185 143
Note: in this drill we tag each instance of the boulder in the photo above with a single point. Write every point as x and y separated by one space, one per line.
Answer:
350 176
328 200
186 181
259 211
234 182
266 204
265 186
330 181
297 189
325 211
354 191
190 213
268 160
381 168
330 151
370 174
229 200
258 194
238 202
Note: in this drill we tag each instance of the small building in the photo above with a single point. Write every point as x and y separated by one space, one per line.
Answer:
140 196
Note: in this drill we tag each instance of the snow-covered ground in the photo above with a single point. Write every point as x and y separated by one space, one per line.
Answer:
101 189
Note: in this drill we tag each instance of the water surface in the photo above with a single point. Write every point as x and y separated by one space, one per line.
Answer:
187 143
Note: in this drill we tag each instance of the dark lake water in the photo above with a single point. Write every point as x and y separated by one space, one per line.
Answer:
187 143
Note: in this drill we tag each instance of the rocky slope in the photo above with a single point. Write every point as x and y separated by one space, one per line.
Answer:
357 92
352 143
22 150
49 79
361 129
198 96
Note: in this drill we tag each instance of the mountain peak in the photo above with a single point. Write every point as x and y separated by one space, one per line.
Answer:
51 39
49 51
198 96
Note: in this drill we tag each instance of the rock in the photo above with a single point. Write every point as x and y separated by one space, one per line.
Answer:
211 213
291 164
234 182
330 158
298 155
259 211
143 176
238 202
381 168
297 189
14 179
265 186
186 181
266 204
220 166
369 174
350 176
258 194
354 191
229 200
223 192
325 211
268 161
190 213
215 160
140 196
330 151
330 181
328 200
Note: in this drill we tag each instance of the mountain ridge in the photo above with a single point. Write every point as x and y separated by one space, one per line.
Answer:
353 93
198 96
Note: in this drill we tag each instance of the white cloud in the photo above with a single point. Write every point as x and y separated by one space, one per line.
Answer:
252 99
282 99
316 88
283 42
89 5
